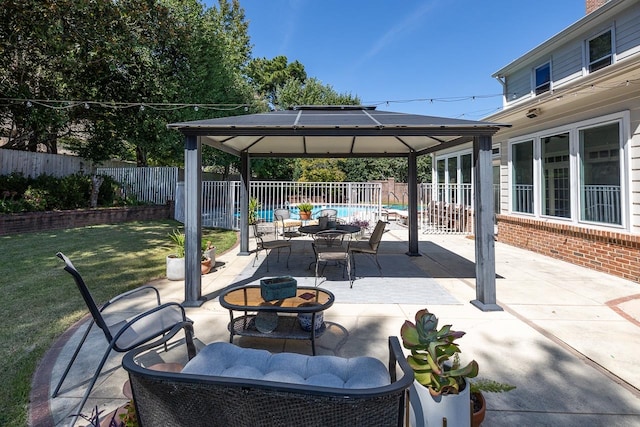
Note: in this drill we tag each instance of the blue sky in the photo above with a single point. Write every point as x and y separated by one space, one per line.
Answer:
405 50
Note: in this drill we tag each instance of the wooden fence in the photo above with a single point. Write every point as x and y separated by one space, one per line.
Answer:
32 164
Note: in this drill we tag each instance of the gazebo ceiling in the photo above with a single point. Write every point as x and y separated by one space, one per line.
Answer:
334 131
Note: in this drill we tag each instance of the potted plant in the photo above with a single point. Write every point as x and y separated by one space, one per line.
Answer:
254 205
477 386
305 210
208 256
440 389
175 261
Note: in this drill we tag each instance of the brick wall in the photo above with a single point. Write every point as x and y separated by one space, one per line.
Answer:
55 220
606 251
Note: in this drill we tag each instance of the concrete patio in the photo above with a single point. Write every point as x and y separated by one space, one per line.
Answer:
568 337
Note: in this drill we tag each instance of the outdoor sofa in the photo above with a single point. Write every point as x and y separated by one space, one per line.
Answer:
226 385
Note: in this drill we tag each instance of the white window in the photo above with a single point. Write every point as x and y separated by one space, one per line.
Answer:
600 51
522 177
454 178
574 173
542 76
600 174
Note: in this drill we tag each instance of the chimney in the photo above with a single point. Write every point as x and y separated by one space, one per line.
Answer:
594 4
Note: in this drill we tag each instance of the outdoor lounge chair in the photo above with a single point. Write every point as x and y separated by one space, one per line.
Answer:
369 247
142 330
266 245
332 246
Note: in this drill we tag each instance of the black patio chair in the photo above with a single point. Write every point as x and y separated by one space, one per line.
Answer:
332 246
369 247
266 244
143 330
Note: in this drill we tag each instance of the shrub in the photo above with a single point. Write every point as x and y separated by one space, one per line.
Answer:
46 192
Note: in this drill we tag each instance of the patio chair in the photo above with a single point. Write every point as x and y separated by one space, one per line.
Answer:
332 246
282 219
331 213
146 329
369 247
266 245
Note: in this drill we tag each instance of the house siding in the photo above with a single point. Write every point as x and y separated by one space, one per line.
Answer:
628 33
567 63
519 84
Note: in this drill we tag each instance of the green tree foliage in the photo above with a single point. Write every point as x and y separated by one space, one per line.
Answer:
364 169
320 170
267 76
311 92
130 51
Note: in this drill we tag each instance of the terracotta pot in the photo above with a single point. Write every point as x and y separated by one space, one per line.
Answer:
305 215
478 416
205 266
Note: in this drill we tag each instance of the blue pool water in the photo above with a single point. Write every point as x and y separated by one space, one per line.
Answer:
397 207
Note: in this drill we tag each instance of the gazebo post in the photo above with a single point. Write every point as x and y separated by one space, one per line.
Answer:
192 221
412 179
245 162
484 210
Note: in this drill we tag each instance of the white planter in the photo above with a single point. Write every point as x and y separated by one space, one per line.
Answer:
175 268
427 410
211 253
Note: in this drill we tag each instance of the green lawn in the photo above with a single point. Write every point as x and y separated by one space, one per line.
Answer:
39 300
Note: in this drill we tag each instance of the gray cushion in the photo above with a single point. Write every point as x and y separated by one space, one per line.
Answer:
228 360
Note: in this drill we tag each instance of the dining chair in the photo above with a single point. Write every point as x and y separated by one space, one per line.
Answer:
332 246
369 247
282 219
266 244
146 329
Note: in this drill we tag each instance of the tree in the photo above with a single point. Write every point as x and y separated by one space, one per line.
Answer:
367 169
121 58
267 76
321 170
311 92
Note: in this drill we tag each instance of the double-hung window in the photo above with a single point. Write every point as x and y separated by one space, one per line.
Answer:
600 49
542 75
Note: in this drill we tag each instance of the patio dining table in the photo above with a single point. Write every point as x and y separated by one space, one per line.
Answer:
314 229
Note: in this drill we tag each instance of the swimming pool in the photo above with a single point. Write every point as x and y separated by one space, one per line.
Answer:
347 212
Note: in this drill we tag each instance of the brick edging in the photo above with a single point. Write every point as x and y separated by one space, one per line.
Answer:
39 409
27 222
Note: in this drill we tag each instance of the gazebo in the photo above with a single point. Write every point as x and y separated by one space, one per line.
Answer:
342 132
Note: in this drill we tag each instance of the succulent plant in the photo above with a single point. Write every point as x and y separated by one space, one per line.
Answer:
434 354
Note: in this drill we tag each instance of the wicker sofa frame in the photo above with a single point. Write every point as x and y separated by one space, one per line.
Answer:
180 399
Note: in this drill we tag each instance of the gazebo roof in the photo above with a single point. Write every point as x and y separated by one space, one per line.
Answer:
334 131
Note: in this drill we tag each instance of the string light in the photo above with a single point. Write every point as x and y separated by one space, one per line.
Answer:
69 104
158 106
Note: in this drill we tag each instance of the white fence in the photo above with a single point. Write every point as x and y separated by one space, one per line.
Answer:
221 200
155 185
445 208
